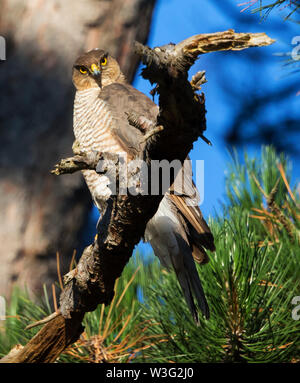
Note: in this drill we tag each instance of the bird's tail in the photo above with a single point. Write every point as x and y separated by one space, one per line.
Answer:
175 253
179 236
189 280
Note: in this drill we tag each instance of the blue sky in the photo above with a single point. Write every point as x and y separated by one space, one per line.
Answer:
175 20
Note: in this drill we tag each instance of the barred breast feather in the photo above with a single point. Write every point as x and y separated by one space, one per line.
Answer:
92 123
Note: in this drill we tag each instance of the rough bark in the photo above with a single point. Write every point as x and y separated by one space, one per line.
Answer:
182 116
42 214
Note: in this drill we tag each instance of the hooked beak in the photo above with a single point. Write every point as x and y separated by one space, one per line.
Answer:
95 69
96 72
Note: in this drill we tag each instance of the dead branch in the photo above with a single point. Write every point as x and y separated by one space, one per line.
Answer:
223 41
49 318
182 118
78 162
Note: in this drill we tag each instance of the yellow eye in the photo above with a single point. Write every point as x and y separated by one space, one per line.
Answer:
103 61
82 70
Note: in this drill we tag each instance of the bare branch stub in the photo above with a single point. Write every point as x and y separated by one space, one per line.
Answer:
78 162
182 118
222 41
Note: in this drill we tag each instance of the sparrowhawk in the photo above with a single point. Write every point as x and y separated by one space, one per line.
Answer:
177 232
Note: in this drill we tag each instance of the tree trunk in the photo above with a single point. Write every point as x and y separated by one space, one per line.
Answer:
40 213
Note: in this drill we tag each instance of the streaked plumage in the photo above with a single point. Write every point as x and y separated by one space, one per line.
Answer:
178 233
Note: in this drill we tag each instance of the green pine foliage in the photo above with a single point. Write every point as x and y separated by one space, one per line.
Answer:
249 282
20 311
118 332
113 334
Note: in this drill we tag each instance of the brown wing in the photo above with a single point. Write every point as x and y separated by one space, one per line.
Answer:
187 202
121 99
200 233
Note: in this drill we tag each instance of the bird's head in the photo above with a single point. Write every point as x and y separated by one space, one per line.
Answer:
96 68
